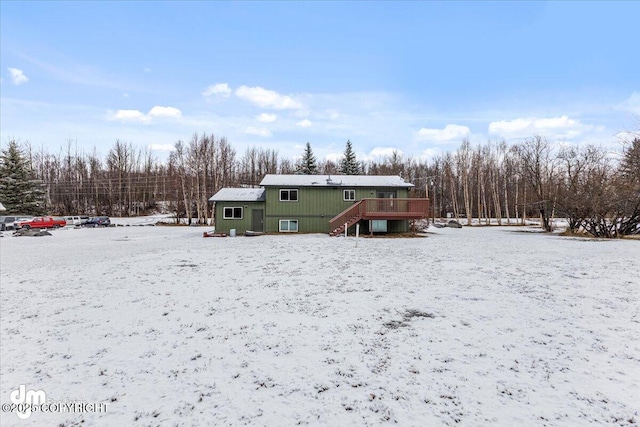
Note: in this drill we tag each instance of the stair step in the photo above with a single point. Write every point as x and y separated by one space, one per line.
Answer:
339 230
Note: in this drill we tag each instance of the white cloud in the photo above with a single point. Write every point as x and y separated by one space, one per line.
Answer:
129 116
430 153
555 127
304 123
509 126
334 157
383 152
258 131
162 147
139 116
220 89
555 123
267 98
158 111
17 76
266 118
451 133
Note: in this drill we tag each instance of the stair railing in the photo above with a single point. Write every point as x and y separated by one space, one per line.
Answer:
352 211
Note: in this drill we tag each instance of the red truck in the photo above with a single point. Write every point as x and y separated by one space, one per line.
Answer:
42 222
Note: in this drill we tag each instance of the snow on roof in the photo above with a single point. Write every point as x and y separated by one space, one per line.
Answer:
239 195
335 180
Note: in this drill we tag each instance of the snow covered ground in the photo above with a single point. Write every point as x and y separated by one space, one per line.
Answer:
472 326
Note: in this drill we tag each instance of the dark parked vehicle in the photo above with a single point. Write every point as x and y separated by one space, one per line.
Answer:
98 221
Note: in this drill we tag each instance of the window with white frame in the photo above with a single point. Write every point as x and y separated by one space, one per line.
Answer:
349 195
288 226
232 213
288 195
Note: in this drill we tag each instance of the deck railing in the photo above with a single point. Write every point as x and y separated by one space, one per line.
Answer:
395 208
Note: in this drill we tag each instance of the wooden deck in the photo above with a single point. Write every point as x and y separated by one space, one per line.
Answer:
389 209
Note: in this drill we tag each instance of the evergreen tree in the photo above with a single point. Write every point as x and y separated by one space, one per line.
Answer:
349 165
630 165
20 193
308 164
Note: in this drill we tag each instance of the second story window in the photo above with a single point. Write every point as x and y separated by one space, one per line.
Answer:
349 195
289 195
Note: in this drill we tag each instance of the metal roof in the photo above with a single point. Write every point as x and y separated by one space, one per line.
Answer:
335 180
239 195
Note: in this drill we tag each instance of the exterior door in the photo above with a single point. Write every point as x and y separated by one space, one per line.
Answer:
257 220
386 205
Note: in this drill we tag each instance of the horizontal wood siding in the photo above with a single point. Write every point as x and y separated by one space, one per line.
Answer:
240 225
315 206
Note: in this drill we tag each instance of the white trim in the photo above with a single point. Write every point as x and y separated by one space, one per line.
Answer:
344 195
289 222
289 190
233 212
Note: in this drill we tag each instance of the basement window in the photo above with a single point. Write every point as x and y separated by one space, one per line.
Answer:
288 226
349 195
232 213
288 195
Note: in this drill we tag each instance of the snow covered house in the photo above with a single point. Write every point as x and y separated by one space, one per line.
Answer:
319 204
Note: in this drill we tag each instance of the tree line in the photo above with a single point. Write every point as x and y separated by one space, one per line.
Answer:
597 191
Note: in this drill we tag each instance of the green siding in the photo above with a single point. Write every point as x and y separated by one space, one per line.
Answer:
240 225
315 206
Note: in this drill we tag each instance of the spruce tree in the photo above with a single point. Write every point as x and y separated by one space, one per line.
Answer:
349 165
308 164
630 164
20 193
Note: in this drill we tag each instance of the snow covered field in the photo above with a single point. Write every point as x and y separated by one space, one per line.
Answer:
476 326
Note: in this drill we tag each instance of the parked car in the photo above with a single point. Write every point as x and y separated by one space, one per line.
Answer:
42 222
84 220
20 219
6 222
98 221
73 220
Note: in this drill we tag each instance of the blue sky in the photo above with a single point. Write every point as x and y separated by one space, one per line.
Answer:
417 77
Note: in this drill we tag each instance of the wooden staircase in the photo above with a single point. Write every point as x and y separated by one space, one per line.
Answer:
349 216
351 221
